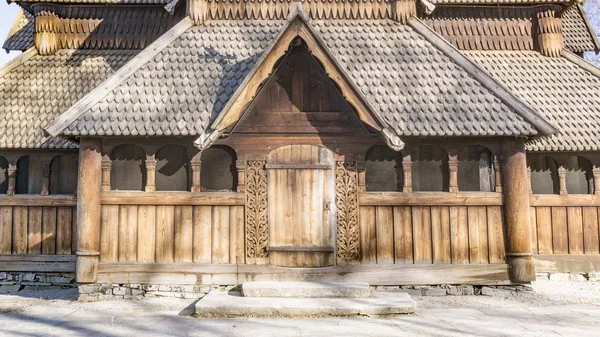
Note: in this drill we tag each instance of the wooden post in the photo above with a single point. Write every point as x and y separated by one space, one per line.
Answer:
521 268
241 175
453 172
89 187
407 168
196 165
529 179
150 173
562 180
361 167
596 172
46 177
106 166
497 175
12 178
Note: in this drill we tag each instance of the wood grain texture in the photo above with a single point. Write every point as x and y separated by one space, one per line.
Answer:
478 236
560 243
220 234
384 228
440 234
164 233
20 219
128 233
591 245
109 234
497 250
459 228
202 249
48 230
430 199
422 234
6 228
575 230
534 234
544 229
64 231
146 234
368 235
403 241
183 233
34 231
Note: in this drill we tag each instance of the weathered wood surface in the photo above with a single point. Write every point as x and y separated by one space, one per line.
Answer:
430 199
38 263
172 234
36 200
189 273
567 263
36 230
550 200
565 230
173 198
431 235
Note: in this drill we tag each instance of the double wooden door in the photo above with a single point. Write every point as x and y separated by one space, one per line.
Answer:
301 197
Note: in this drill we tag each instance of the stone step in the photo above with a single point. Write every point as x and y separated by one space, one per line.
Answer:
223 305
305 289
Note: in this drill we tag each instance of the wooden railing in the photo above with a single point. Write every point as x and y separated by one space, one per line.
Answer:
425 228
31 224
166 227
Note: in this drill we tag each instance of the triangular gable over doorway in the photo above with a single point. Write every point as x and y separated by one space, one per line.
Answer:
299 98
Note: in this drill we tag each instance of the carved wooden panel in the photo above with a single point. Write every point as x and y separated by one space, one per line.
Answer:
346 192
257 232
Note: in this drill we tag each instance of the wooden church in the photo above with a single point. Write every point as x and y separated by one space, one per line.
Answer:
393 142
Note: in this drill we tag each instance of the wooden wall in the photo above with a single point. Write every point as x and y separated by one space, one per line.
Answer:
167 233
37 230
431 234
565 225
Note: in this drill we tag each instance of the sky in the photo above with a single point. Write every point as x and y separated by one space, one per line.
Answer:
8 13
7 16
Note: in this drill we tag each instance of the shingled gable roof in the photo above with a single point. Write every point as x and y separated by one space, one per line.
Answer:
144 98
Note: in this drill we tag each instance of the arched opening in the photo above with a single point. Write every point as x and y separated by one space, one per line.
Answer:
218 171
63 174
29 175
430 169
579 176
128 168
475 169
3 175
544 175
383 169
172 168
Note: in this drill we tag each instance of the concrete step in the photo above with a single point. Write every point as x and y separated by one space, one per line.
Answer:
305 289
223 304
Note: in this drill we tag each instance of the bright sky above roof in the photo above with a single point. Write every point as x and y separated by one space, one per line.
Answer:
7 16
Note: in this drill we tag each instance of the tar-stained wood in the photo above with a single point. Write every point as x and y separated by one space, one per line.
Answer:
544 229
478 236
575 230
34 231
440 234
560 242
20 218
220 234
128 233
6 228
368 235
384 228
183 233
48 230
459 241
164 233
109 234
422 234
202 251
403 241
497 250
590 230
146 233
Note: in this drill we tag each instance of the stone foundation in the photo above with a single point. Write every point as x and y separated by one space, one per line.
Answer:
12 282
100 292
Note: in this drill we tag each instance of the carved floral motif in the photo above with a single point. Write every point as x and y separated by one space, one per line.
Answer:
257 232
346 198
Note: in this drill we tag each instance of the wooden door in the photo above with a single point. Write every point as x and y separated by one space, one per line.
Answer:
301 196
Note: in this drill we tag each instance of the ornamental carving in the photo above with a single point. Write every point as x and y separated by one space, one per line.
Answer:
257 232
346 199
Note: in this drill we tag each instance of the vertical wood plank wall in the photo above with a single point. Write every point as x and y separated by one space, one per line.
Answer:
431 234
167 234
35 230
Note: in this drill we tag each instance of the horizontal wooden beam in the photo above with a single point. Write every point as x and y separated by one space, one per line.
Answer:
38 200
174 198
37 263
298 167
430 199
564 200
190 273
565 263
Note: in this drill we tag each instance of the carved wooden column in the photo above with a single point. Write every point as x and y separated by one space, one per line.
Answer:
453 172
150 173
106 166
497 174
596 172
407 169
240 165
519 255
550 38
46 28
562 180
346 200
197 10
12 178
46 177
88 210
402 10
196 165
361 167
257 229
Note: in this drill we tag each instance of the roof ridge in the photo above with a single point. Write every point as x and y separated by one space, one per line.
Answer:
483 77
78 109
582 63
